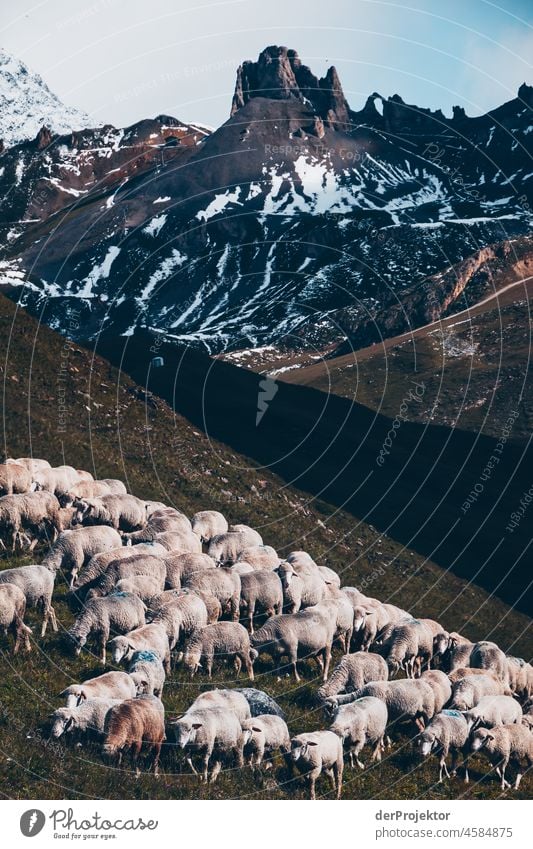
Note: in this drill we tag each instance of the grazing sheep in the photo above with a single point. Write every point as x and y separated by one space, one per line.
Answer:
260 702
14 479
211 733
487 655
35 513
110 685
260 557
12 610
100 616
457 652
260 590
303 585
242 568
212 604
181 567
57 481
308 633
493 710
122 512
185 613
441 686
264 735
232 700
410 700
144 586
520 676
227 639
37 584
253 537
128 567
467 692
342 612
115 486
73 549
98 564
85 721
225 549
132 725
208 524
330 576
465 672
505 744
220 583
174 543
317 752
409 647
167 521
366 624
447 731
352 672
84 489
32 464
147 672
360 723
152 637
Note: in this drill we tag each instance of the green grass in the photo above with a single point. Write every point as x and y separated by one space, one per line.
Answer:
112 432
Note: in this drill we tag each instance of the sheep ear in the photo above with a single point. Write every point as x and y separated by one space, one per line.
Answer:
197 725
131 647
490 736
255 728
69 722
312 743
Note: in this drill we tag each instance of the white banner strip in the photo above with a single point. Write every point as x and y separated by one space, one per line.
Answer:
241 825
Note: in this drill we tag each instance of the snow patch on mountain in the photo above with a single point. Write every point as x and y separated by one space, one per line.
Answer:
27 104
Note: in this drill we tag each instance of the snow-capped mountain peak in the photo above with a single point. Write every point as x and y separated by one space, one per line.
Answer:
26 104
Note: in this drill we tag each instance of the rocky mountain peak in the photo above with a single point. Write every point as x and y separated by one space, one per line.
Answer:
279 74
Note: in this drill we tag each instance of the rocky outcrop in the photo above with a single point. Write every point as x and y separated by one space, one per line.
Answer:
279 74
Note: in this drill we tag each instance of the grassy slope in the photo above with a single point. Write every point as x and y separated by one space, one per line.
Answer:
113 432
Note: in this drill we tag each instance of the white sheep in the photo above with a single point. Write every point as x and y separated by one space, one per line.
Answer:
468 691
165 521
520 676
493 710
441 686
152 637
35 514
229 640
181 567
147 671
37 584
359 723
260 592
14 479
225 549
12 610
303 585
119 613
505 744
352 672
110 685
220 583
260 557
84 721
150 565
209 732
253 537
265 735
410 700
145 586
232 700
57 480
447 731
308 633
487 655
317 752
122 512
32 464
181 615
208 524
74 548
98 564
409 647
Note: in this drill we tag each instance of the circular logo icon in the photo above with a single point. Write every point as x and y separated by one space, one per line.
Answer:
32 822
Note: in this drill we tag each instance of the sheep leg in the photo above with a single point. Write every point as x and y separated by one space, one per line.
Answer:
312 783
356 750
52 616
157 754
237 663
248 665
376 754
337 771
518 780
455 758
505 783
209 666
327 661
292 663
215 771
135 750
234 609
193 768
205 771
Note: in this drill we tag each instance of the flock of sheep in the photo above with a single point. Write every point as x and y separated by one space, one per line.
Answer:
154 588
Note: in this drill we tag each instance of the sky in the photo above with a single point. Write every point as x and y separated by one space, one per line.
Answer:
123 60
